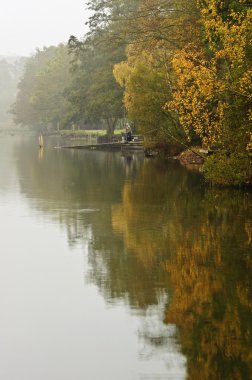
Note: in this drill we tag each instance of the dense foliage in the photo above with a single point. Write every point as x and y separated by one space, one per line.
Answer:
94 93
178 70
192 59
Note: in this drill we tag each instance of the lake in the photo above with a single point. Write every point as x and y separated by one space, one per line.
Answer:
120 268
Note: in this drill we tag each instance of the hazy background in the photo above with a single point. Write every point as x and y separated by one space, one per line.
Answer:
27 24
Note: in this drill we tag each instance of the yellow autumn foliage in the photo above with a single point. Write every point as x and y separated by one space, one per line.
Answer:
197 99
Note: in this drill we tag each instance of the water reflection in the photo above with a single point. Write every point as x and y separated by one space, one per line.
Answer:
211 281
157 236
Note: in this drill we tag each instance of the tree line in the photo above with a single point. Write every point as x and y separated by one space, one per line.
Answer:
178 70
10 72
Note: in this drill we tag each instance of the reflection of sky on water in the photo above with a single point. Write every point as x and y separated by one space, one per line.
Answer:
8 175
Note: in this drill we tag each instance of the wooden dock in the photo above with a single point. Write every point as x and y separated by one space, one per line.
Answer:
113 146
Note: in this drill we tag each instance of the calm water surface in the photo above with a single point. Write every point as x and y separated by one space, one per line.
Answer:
120 268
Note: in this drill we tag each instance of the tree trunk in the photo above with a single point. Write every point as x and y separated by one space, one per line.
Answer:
111 124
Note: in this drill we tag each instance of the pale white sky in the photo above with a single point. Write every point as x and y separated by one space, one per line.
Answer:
27 24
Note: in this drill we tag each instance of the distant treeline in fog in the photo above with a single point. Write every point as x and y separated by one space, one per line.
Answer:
11 69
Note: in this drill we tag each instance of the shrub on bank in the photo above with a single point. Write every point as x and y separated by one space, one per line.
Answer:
229 170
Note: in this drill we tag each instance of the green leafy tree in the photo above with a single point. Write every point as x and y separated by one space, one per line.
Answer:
94 91
41 101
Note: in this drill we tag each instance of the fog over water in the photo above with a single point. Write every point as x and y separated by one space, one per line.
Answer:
28 24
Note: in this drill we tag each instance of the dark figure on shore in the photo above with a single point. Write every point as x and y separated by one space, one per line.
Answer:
128 134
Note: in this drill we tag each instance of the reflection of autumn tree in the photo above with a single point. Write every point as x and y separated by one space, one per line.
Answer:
145 216
211 280
204 239
144 240
120 272
146 210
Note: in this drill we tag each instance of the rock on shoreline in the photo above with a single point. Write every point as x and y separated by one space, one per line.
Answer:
188 157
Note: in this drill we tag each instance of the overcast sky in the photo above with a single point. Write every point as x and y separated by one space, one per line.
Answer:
27 24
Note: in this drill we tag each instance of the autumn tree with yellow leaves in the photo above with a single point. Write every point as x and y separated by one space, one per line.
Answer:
213 89
147 76
188 71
